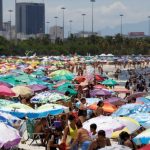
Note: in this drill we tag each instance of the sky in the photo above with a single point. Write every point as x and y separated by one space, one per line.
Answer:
106 12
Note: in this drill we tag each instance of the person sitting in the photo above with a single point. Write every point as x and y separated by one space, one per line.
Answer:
100 142
93 128
54 140
82 137
125 139
99 111
82 113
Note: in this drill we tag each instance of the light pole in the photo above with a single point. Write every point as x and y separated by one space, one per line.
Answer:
10 11
56 27
63 10
70 21
83 15
149 25
47 27
121 15
92 15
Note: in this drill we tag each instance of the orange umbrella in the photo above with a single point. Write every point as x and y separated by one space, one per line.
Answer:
109 108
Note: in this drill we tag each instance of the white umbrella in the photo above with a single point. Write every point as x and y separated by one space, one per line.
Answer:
9 137
106 123
116 147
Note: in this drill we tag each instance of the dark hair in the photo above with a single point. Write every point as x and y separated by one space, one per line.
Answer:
124 135
59 129
82 99
79 124
71 117
100 103
93 126
67 93
101 133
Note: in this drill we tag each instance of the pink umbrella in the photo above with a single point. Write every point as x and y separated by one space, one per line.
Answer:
115 100
6 84
99 92
6 91
37 87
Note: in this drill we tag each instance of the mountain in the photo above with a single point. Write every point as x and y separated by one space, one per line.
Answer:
134 27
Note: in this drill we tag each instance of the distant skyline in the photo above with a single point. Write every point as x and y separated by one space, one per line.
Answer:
106 13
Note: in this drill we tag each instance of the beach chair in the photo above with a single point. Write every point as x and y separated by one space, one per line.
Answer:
30 124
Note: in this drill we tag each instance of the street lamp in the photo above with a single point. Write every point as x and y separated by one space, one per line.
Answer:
149 25
63 9
121 15
92 15
83 15
10 11
56 26
70 21
47 27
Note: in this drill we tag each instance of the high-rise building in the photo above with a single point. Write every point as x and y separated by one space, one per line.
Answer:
1 15
30 18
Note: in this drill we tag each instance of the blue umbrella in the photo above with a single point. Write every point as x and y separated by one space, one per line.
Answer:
142 118
126 110
143 99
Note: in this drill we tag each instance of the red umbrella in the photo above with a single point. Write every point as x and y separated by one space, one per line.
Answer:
147 147
99 78
6 91
120 89
80 79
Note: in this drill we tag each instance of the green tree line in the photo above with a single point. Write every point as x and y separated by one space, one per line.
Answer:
93 45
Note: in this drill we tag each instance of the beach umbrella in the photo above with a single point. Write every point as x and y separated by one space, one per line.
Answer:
45 97
115 100
142 118
92 105
142 100
99 78
99 86
22 91
120 89
4 102
106 123
136 95
126 110
116 147
142 138
148 97
146 147
6 91
6 84
53 109
9 137
131 126
17 109
99 92
109 82
37 87
62 75
80 79
9 119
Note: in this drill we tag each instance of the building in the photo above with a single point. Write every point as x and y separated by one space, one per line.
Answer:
56 32
1 15
136 34
85 34
30 18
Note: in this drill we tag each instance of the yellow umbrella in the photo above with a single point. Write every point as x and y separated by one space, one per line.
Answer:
22 91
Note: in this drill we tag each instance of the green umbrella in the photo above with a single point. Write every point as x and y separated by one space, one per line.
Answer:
109 82
62 75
